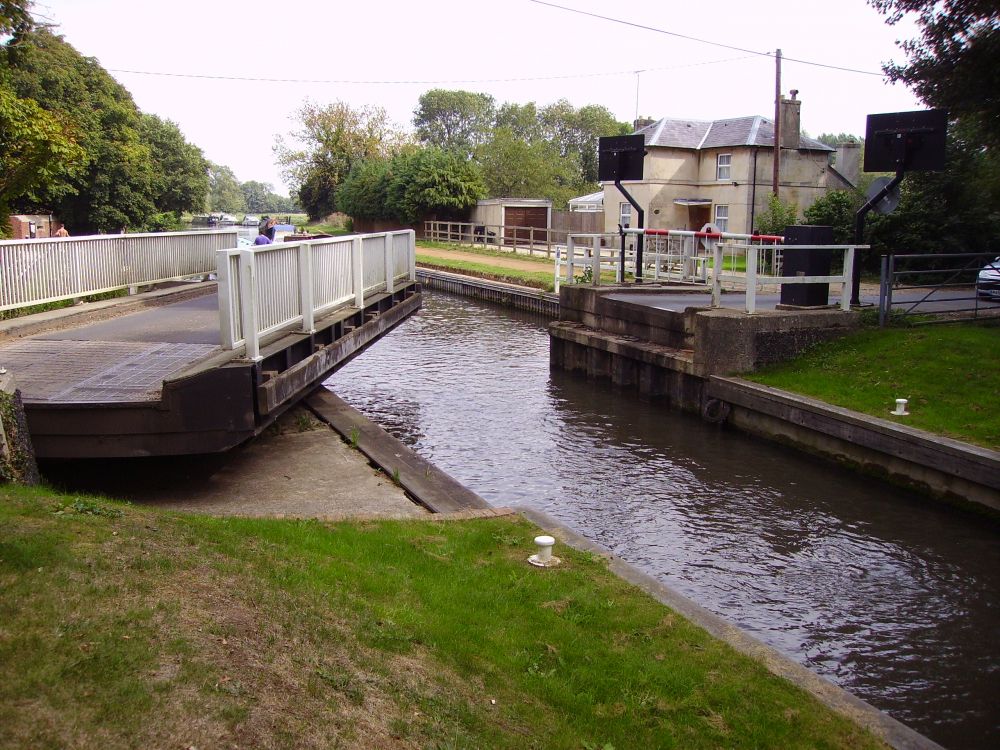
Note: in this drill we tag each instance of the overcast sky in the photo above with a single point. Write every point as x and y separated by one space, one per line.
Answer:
388 53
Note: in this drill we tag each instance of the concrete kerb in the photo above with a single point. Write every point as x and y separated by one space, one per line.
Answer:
891 731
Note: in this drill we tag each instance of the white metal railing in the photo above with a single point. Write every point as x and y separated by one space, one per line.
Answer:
34 272
268 288
735 260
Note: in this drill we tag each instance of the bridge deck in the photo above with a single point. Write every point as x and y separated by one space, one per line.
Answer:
155 380
122 360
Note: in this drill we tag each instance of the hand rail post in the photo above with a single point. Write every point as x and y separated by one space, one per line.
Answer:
716 248
389 253
751 292
555 283
570 252
845 296
248 303
357 273
227 329
411 253
306 304
595 260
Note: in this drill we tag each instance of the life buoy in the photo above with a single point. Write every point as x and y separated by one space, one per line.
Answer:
715 410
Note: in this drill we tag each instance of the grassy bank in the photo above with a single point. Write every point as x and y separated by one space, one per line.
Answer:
949 373
130 627
534 279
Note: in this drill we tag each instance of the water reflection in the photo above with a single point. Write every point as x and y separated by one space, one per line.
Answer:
887 594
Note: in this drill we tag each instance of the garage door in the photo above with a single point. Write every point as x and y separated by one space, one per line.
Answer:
516 218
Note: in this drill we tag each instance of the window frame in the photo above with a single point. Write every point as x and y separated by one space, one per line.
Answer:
721 222
728 166
625 214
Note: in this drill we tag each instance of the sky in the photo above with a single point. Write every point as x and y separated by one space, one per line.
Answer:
232 74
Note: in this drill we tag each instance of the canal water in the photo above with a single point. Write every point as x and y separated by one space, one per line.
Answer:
885 593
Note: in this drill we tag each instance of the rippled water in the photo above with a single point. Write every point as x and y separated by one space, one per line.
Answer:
887 594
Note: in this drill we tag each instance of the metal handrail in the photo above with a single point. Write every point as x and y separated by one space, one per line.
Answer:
39 271
269 288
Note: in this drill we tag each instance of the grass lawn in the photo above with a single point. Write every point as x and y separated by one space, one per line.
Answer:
128 627
950 374
535 279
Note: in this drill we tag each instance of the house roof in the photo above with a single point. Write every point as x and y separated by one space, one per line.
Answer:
738 131
597 197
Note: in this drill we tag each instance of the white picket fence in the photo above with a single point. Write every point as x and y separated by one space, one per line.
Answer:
38 271
269 288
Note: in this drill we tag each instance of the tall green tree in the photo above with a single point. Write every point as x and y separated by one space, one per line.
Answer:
514 168
331 139
257 195
363 194
38 151
224 191
115 187
432 182
454 120
953 63
15 16
180 170
576 132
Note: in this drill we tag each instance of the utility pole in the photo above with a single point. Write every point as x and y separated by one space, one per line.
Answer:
776 172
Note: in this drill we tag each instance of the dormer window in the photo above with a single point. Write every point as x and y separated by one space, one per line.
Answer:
723 167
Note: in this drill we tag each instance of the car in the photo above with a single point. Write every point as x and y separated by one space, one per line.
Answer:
988 281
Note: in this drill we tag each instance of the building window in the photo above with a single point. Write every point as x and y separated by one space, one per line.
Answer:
723 167
722 218
625 214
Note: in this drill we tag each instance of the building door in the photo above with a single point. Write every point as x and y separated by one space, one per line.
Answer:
699 216
518 220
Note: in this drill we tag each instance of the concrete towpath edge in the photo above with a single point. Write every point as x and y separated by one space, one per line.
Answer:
893 732
423 481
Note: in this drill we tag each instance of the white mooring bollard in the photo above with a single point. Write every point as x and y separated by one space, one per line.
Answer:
900 410
544 558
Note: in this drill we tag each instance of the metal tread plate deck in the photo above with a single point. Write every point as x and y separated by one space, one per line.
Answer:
80 372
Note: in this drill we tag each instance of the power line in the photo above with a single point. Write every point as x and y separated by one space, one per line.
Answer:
701 41
350 82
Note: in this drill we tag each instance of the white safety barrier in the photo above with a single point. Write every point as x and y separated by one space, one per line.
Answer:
269 288
38 271
747 261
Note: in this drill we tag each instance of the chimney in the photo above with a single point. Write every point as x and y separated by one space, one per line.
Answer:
642 122
790 121
848 161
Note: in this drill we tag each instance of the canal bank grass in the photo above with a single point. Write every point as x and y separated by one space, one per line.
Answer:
123 626
950 375
497 265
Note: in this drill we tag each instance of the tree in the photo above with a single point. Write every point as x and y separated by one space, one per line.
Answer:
180 170
514 168
224 191
521 119
836 209
37 150
454 120
363 194
257 195
115 186
953 64
333 138
576 132
432 182
776 216
15 16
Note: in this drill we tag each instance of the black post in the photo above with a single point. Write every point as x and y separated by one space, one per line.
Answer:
638 244
859 233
